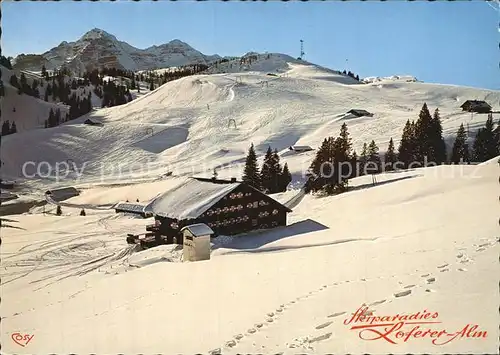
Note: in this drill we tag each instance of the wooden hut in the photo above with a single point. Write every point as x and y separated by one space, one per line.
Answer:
228 207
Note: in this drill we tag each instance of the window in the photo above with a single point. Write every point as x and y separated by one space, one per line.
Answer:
232 196
274 224
217 211
209 213
174 225
254 222
245 218
249 205
239 220
255 204
233 208
240 207
262 203
225 209
240 195
275 212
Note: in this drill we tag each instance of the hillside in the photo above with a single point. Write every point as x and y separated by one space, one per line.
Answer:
187 121
97 49
290 290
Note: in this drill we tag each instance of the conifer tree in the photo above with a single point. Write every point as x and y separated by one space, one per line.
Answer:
276 172
423 135
460 150
82 212
251 175
390 157
406 146
485 145
363 159
266 171
373 158
285 178
354 164
13 128
438 145
58 210
5 128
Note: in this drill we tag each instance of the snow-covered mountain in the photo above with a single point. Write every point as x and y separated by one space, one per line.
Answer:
99 48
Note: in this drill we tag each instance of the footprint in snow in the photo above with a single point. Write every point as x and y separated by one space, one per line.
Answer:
442 266
231 343
321 338
431 280
402 293
409 286
444 270
324 325
429 290
251 331
259 325
462 269
269 320
376 303
238 336
217 351
336 314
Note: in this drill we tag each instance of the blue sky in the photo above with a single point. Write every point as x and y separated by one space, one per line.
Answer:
443 42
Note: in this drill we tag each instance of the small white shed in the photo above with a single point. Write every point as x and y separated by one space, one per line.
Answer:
196 242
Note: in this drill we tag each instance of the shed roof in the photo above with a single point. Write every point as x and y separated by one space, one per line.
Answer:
199 230
476 102
359 112
190 199
131 207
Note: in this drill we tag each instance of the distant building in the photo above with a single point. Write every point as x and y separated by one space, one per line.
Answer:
360 113
477 106
133 208
300 148
227 207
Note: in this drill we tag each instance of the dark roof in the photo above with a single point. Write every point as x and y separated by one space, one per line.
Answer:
476 103
359 112
193 197
129 207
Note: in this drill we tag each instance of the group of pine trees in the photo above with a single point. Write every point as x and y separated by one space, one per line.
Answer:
271 178
333 165
8 128
351 74
422 141
486 144
421 144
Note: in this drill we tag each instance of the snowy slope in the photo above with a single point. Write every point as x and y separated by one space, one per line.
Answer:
26 111
184 126
422 241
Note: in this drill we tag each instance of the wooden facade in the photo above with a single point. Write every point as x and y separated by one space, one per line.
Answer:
241 210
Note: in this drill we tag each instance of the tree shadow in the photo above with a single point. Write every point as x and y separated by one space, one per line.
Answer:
13 227
257 239
368 185
294 247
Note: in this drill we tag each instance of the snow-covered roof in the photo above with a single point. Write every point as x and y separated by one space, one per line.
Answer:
301 147
190 199
199 230
129 207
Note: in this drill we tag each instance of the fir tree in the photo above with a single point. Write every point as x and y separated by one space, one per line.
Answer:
151 85
406 150
363 159
13 128
251 175
373 158
58 210
485 144
460 150
44 72
285 178
14 82
390 157
423 136
82 212
437 142
266 171
5 128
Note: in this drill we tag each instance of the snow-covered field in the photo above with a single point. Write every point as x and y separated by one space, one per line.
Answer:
424 240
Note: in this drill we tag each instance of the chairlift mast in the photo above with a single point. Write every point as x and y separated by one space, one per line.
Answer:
301 49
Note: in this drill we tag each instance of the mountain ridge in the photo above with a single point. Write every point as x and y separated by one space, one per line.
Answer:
98 48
